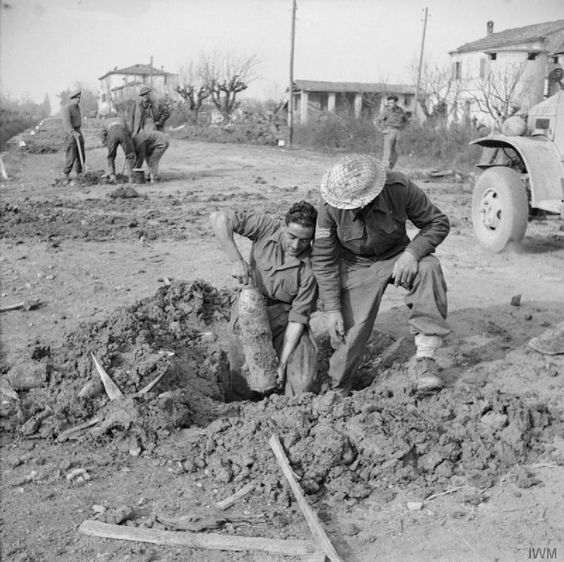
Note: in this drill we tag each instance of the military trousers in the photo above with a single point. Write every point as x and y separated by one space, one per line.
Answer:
390 155
362 287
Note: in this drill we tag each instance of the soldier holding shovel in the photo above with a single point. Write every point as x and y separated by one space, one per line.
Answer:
72 123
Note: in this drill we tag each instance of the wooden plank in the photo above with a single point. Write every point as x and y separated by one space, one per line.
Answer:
212 541
110 386
310 516
228 502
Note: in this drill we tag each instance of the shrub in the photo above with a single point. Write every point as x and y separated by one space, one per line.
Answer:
442 146
339 132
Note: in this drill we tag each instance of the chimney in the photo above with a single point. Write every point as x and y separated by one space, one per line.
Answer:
489 27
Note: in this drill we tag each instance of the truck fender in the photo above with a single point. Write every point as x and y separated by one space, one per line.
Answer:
543 165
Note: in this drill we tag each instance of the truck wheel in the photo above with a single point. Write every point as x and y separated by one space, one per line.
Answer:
500 209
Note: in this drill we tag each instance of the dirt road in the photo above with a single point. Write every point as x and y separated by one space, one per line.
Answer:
84 254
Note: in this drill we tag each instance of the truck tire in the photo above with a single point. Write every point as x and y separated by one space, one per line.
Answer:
500 209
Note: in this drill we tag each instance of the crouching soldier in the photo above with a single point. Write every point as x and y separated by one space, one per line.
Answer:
280 266
115 133
150 147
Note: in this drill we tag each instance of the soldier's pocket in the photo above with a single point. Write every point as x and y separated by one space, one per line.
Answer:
352 231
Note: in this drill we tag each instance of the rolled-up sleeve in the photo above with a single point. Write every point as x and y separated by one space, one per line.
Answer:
252 225
432 223
304 303
325 260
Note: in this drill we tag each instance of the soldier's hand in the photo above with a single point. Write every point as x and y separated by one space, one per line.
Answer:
281 376
336 325
242 272
405 269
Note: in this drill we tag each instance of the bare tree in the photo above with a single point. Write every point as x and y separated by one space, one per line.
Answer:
441 92
194 89
500 93
227 75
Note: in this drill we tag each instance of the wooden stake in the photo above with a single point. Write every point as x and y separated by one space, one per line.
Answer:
110 386
64 434
150 386
228 502
212 541
312 520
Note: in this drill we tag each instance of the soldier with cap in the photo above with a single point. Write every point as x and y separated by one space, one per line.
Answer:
74 141
361 246
146 123
145 116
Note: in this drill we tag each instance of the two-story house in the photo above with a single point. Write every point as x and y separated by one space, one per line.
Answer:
121 84
505 71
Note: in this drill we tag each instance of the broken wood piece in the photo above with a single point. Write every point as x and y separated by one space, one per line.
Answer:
312 519
445 493
110 386
63 436
234 498
150 386
24 305
191 523
212 541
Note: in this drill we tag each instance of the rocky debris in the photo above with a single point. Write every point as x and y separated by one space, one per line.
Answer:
354 447
126 192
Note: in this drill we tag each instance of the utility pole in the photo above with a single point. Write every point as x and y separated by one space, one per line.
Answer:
151 76
291 85
420 64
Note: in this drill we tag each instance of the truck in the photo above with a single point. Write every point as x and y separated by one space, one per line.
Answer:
523 175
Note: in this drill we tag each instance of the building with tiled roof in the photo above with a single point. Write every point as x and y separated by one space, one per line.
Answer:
314 97
121 84
514 63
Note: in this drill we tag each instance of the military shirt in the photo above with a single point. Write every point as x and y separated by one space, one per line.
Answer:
393 117
279 277
374 233
72 117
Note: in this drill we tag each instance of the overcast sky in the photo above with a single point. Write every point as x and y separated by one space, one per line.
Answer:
46 45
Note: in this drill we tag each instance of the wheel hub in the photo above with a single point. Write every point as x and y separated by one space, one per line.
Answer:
490 209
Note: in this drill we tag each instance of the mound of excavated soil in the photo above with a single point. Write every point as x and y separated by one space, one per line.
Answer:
380 437
169 334
352 447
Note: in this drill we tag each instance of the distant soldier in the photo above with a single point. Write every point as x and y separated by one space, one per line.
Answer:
145 116
393 120
74 141
150 147
115 133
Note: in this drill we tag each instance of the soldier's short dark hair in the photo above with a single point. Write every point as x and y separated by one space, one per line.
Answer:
393 98
302 213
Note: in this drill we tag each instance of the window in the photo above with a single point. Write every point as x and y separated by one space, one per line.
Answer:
482 68
456 70
532 56
493 56
555 60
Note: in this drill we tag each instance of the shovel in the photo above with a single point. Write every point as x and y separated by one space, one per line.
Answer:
81 156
